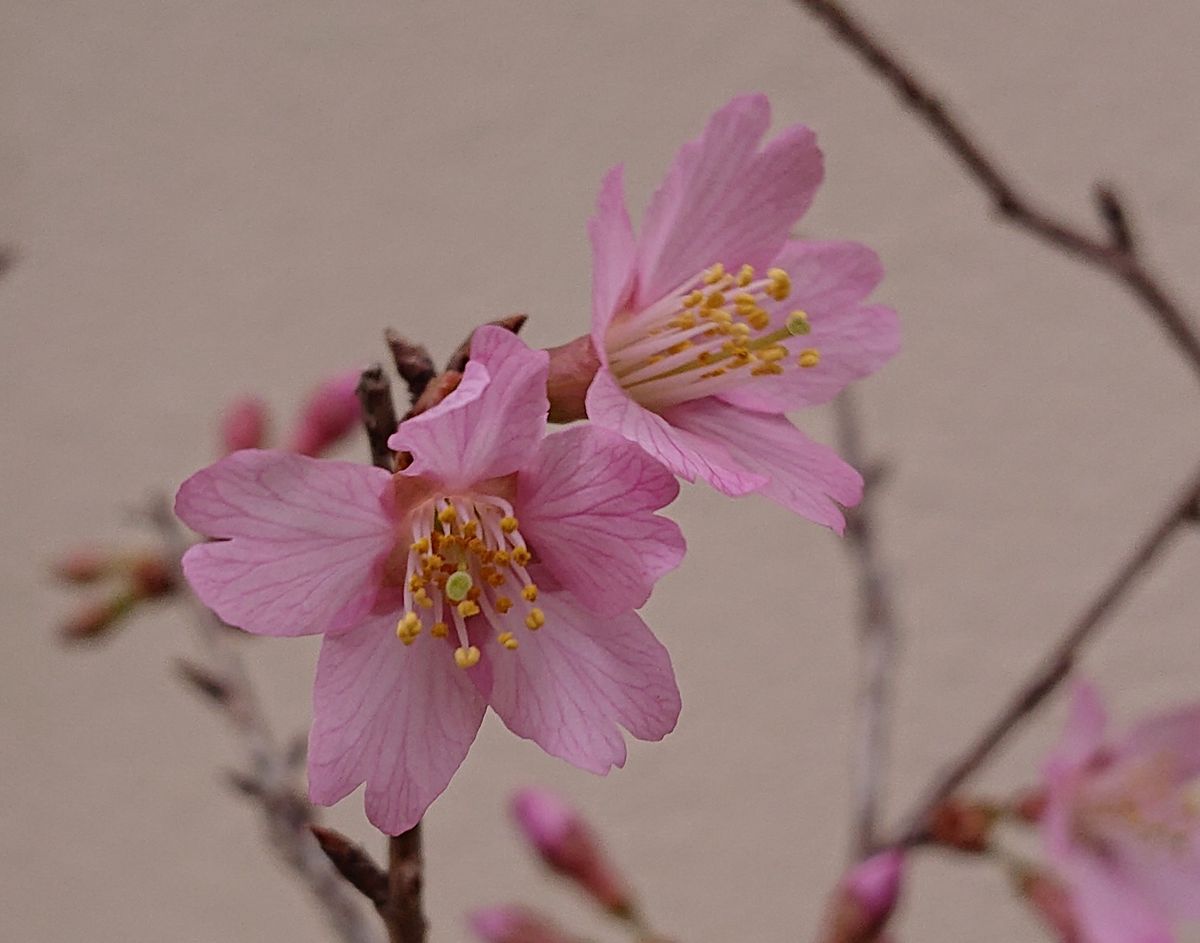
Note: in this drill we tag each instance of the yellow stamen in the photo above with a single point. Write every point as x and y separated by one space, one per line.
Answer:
433 562
797 323
420 546
781 284
693 299
714 300
408 628
745 275
468 608
809 357
422 599
503 604
416 581
448 515
466 657
535 620
521 556
439 630
771 354
529 593
506 639
500 558
508 524
714 274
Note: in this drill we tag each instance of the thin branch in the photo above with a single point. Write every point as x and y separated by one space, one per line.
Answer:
268 779
354 864
878 640
401 908
402 913
1058 664
1115 255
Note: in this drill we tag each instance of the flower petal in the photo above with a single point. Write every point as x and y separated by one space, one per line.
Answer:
570 683
725 201
1174 735
489 426
1083 736
586 504
306 541
399 717
802 475
613 252
687 455
1109 909
853 343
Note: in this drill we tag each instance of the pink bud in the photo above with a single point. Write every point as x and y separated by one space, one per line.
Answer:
515 925
243 425
83 565
875 884
569 847
1051 902
330 412
864 900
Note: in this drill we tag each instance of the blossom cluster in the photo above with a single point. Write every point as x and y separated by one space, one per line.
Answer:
502 565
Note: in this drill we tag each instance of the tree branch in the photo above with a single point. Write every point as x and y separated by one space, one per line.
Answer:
1115 255
379 414
878 636
1057 664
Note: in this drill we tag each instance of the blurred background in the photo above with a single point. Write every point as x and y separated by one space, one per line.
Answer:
214 198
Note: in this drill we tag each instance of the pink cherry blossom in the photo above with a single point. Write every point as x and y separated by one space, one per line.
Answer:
712 322
1121 822
501 567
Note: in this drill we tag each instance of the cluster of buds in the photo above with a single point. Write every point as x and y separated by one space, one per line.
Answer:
136 578
329 414
569 847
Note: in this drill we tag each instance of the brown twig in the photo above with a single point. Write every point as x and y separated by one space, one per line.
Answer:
402 913
1057 665
1117 254
401 908
354 864
878 639
269 777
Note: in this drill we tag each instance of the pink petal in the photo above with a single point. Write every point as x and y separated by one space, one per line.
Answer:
1109 909
399 717
586 506
802 475
488 427
853 343
571 682
1174 735
687 455
613 252
1083 736
725 201
307 540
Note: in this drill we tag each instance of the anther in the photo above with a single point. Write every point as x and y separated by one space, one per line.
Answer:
508 523
797 323
529 593
781 284
439 630
447 515
521 556
503 604
466 657
714 274
693 299
535 620
468 608
420 546
809 357
745 275
408 628
506 639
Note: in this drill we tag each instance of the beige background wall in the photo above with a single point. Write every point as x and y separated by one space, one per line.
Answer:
215 197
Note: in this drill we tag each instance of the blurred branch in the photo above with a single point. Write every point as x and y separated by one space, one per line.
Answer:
379 414
1117 254
401 912
268 780
878 637
1058 664
413 363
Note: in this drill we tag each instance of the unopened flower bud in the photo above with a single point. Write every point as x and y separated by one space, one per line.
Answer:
963 825
98 619
865 899
569 847
1051 902
331 411
83 565
244 425
515 925
151 578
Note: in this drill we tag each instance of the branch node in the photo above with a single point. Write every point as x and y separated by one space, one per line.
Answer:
1116 220
354 864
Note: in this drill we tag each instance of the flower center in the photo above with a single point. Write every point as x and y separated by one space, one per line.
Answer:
1149 803
467 557
712 333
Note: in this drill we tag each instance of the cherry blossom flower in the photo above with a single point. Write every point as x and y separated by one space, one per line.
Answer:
1121 822
712 322
501 567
